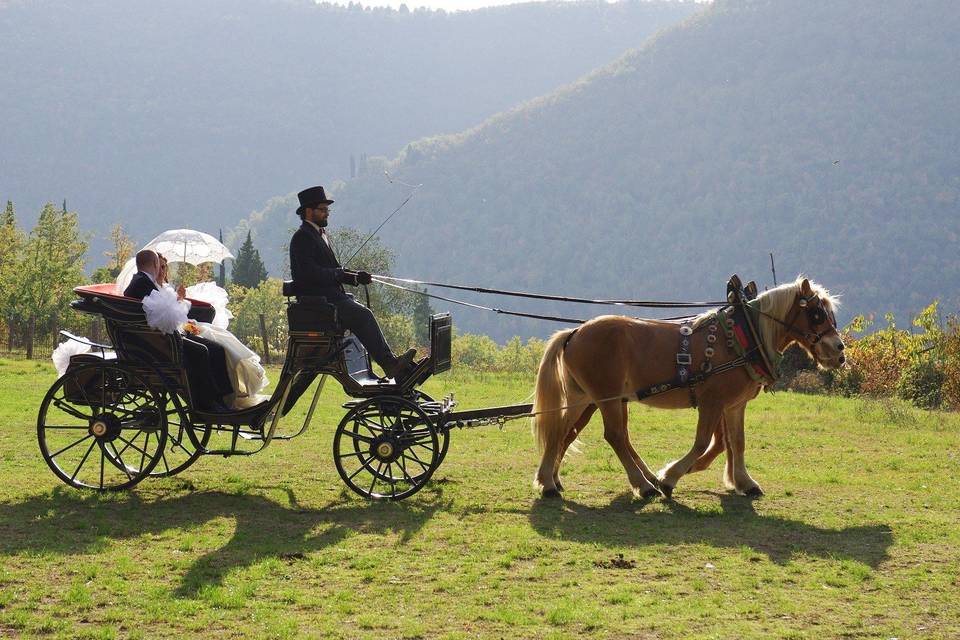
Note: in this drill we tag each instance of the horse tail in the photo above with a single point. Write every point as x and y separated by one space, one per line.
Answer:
548 421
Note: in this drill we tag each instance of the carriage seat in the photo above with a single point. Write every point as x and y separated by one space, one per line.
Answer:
310 313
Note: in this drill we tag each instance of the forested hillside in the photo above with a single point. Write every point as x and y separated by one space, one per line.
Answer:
182 113
824 132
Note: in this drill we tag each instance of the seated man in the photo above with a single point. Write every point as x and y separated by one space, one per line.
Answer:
205 360
317 272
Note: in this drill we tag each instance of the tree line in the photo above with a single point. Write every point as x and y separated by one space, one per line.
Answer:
40 268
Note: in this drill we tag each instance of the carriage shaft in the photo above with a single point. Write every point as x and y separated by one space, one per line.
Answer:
488 415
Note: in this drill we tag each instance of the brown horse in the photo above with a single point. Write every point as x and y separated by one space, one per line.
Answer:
605 362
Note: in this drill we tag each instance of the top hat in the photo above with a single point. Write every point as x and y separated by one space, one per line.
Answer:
312 197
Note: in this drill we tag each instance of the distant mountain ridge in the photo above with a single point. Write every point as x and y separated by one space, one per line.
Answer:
822 132
187 113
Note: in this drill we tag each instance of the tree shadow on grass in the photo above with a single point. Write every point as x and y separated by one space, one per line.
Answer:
66 522
624 522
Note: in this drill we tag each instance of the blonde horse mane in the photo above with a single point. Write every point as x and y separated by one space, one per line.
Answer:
778 301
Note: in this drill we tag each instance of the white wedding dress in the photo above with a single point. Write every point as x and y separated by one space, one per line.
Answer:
243 366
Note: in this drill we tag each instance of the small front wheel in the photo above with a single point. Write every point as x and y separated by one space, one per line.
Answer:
101 427
386 448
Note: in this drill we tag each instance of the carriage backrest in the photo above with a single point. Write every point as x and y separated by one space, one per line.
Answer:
441 335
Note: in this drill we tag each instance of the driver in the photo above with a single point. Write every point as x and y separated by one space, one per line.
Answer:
317 272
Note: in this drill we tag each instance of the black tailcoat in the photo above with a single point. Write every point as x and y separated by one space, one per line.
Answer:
314 266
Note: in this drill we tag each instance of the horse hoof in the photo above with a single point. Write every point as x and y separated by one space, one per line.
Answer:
650 494
754 492
667 490
551 493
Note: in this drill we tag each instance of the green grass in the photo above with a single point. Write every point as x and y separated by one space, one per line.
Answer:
857 536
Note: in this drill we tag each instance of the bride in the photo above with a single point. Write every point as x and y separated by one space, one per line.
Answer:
243 365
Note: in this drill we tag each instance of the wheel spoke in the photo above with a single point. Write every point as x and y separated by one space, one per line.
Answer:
60 403
82 460
146 445
403 469
66 426
393 484
422 446
70 446
129 444
417 459
163 458
357 436
375 476
101 467
123 465
363 465
372 426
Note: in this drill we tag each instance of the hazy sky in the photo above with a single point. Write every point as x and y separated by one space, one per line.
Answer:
448 5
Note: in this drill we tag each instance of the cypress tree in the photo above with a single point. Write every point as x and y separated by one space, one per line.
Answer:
248 269
222 280
9 217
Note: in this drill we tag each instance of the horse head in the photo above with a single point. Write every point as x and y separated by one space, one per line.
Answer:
803 312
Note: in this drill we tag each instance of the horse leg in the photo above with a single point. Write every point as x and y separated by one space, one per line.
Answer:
572 435
615 433
735 474
707 423
644 469
717 445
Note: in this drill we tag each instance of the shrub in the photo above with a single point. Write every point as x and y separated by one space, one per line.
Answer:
474 352
922 384
875 361
399 332
951 365
806 382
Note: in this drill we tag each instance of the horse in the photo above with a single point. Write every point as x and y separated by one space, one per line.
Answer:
608 360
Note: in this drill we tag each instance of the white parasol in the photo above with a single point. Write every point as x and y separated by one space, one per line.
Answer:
187 245
179 245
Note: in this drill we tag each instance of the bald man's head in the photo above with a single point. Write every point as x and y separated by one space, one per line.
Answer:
148 261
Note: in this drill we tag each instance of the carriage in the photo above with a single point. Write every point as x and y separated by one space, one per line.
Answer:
124 411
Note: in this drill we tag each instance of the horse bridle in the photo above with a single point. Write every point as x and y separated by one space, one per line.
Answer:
816 315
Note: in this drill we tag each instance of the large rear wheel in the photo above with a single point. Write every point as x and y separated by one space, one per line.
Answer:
101 427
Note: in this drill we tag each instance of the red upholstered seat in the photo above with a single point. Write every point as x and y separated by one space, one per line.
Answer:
108 291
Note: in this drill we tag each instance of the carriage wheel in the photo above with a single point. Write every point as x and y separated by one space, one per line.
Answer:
101 427
180 451
415 472
386 448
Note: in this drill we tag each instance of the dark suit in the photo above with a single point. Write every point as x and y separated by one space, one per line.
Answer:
205 360
316 272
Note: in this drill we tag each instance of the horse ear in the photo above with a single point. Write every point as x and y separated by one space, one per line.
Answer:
805 289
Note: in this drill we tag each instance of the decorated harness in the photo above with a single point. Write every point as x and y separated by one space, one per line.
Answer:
739 322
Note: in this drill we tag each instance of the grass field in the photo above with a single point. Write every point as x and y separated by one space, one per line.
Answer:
857 536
